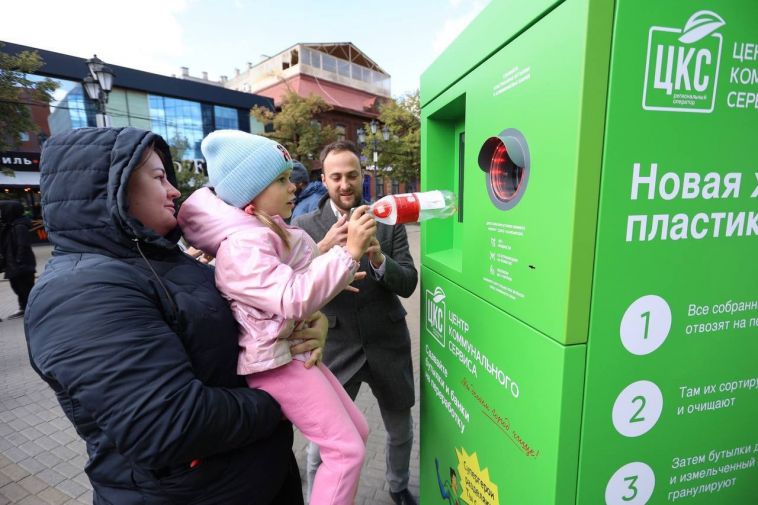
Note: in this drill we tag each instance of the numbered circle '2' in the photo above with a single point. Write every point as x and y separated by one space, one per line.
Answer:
637 408
632 484
645 325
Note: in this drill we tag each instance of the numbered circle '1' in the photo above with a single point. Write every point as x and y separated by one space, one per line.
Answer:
632 484
645 325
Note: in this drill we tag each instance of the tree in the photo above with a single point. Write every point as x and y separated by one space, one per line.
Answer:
178 145
401 152
295 125
17 93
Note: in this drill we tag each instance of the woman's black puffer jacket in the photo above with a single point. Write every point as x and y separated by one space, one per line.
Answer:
141 352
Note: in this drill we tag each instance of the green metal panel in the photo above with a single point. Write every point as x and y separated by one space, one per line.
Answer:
636 235
534 260
499 22
671 398
507 422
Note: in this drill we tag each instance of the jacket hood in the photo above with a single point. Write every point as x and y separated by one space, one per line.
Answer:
84 175
206 220
313 188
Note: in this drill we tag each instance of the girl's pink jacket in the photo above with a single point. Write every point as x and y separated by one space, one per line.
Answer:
270 288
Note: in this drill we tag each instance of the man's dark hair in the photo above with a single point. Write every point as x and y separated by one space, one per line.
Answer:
339 146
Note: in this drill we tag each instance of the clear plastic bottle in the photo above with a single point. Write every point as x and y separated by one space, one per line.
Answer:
414 207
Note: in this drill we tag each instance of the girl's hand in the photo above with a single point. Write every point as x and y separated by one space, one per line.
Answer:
359 276
313 335
361 229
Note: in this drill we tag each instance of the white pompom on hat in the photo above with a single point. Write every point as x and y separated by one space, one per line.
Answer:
241 165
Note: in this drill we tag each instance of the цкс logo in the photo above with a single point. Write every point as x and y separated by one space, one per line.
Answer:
435 314
681 71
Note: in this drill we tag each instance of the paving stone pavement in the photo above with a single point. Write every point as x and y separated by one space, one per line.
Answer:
42 458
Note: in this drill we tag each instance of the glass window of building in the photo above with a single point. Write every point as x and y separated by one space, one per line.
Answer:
315 59
379 187
178 121
356 72
340 131
329 63
395 187
69 107
305 56
208 114
226 118
343 67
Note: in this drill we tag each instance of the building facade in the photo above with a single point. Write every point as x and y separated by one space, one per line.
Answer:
342 75
182 111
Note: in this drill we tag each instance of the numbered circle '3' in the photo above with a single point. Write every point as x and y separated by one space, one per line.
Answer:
637 408
632 484
645 325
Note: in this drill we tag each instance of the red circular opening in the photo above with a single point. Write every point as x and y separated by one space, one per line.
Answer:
505 176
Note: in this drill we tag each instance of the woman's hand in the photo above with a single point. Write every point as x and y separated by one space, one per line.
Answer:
313 335
359 276
198 255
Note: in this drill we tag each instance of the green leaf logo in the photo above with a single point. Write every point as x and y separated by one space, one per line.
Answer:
439 295
700 25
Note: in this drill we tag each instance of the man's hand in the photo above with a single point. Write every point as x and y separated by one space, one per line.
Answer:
313 335
337 235
374 252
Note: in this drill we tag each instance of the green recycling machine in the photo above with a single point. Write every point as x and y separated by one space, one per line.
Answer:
589 326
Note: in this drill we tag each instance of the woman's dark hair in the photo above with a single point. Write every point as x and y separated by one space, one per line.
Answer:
152 148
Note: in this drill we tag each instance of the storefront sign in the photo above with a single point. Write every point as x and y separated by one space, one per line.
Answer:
28 162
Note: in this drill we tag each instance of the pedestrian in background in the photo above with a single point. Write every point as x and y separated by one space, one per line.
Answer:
309 194
18 260
299 177
137 342
369 339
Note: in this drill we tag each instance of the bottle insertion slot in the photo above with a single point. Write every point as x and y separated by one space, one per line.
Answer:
505 160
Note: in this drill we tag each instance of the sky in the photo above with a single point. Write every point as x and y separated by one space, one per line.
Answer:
403 37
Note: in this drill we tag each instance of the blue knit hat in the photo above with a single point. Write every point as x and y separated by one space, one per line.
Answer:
241 165
299 173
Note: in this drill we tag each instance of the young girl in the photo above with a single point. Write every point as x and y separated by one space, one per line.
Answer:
274 278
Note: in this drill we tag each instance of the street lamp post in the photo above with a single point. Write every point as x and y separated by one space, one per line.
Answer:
374 140
98 85
375 144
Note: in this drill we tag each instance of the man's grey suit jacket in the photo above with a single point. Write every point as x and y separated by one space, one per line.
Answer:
369 326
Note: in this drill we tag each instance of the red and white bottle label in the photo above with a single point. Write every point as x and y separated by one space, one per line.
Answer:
382 210
408 208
